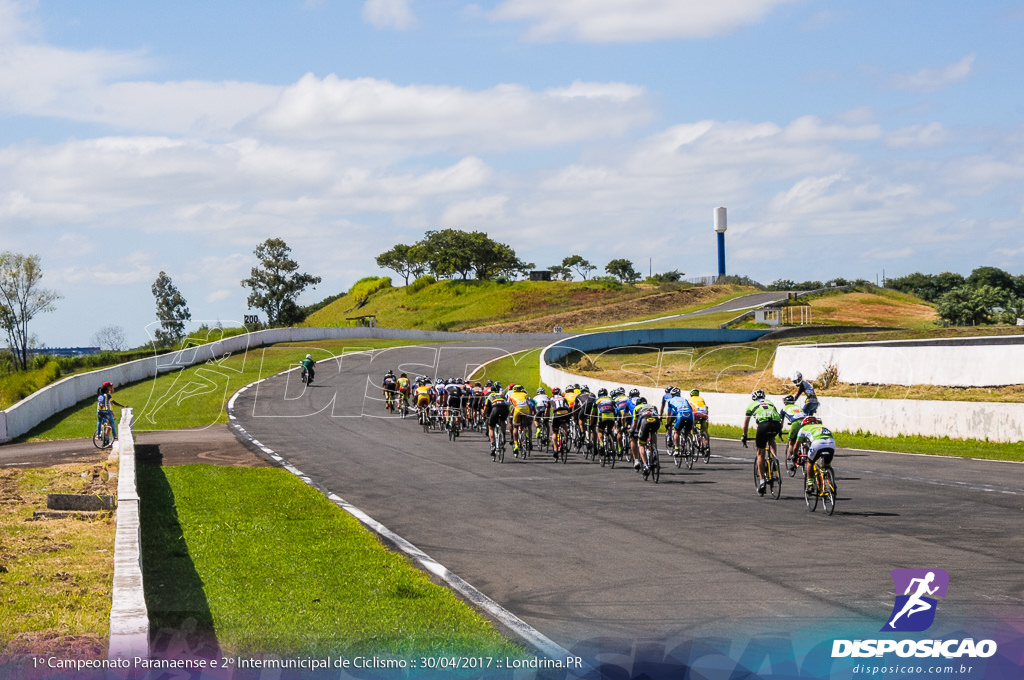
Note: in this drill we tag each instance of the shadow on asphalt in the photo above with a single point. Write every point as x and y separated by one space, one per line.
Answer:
181 625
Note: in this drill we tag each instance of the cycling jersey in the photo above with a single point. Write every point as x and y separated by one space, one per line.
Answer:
540 403
605 408
103 403
559 406
763 410
699 406
791 413
820 440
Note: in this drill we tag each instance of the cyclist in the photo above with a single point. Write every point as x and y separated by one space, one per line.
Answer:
585 417
700 410
680 418
423 394
769 424
522 409
664 400
646 423
604 408
388 387
403 388
807 389
631 403
792 419
820 444
105 414
308 368
453 403
496 413
561 414
540 406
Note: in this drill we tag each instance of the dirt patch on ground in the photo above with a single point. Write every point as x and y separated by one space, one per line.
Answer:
616 312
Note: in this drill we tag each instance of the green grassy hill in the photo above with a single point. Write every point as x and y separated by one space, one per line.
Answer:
466 305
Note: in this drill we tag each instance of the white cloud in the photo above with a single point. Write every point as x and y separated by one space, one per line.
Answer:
917 136
389 13
444 117
475 214
931 80
632 20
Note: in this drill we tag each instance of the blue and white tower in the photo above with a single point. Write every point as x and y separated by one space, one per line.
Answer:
720 228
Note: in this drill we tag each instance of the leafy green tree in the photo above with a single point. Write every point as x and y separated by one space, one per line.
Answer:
623 270
171 311
21 299
994 277
969 306
560 272
403 260
580 265
276 284
673 276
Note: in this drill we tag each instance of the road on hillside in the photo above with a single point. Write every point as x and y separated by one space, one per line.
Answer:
739 304
598 559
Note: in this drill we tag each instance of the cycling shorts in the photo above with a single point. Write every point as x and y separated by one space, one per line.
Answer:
605 426
521 416
422 399
647 428
497 415
683 422
766 431
822 448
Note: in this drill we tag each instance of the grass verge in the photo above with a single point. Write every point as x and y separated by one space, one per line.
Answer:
196 396
316 582
56 575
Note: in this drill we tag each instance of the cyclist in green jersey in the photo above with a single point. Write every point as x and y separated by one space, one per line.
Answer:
769 425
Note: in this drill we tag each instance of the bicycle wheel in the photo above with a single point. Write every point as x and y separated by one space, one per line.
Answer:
707 446
774 476
102 440
677 455
655 462
828 492
691 451
811 495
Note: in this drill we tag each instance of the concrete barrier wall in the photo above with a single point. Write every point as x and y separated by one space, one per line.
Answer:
37 407
129 617
1000 422
966 362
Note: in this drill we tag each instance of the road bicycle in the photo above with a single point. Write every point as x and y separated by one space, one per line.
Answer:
685 451
560 442
105 438
824 487
453 424
773 478
703 444
653 459
403 405
608 451
524 441
306 380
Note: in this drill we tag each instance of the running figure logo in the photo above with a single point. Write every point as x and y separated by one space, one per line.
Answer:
914 610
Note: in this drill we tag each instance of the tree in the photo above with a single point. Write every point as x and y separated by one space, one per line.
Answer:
994 277
673 276
403 260
622 269
21 299
171 311
969 306
559 271
582 267
110 338
276 283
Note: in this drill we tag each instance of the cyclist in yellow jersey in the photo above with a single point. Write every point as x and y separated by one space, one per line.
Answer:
700 410
521 408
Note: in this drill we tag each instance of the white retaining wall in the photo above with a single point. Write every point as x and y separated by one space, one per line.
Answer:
129 618
37 407
1001 422
966 362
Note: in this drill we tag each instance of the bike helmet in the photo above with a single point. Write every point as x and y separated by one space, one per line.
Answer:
789 399
694 393
439 382
797 377
401 376
585 388
108 384
634 393
618 392
555 390
576 386
497 386
668 390
602 392
568 388
757 395
811 420
641 400
676 392
390 372
309 356
489 383
541 390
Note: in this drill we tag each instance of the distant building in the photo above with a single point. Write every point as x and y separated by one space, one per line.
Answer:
540 275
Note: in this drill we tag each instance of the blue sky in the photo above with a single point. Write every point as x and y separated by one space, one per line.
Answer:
845 139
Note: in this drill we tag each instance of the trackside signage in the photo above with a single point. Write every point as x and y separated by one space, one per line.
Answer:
914 611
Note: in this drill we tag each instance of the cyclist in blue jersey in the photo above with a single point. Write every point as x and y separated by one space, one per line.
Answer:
105 397
680 416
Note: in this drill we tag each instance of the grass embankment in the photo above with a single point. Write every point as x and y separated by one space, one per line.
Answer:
196 396
271 566
525 368
56 575
462 305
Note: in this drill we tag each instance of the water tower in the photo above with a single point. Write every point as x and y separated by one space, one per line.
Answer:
720 228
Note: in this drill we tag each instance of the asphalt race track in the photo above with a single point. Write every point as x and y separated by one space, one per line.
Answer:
598 559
